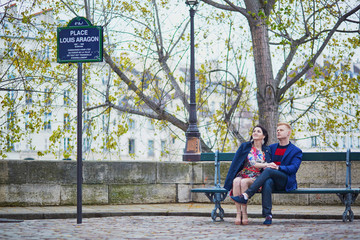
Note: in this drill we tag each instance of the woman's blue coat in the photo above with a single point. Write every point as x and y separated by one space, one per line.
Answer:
237 163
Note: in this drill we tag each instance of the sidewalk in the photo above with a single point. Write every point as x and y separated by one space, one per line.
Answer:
173 209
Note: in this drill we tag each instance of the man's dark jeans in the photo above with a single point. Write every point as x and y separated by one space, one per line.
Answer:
269 179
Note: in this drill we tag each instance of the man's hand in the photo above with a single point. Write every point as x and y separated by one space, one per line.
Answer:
273 166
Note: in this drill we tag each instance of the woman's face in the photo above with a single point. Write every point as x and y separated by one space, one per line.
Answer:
258 134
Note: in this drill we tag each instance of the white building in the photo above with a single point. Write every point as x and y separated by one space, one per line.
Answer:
54 102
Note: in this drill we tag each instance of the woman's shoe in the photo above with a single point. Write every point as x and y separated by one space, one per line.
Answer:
238 222
245 220
244 216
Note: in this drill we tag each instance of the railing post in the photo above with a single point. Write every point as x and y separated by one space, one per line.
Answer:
217 169
348 170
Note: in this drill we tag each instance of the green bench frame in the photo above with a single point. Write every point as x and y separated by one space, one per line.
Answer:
347 195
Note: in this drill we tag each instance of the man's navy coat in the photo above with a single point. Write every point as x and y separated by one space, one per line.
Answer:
290 163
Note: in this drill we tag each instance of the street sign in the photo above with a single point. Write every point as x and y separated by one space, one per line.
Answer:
80 41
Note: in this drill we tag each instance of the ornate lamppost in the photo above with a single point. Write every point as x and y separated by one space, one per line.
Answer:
193 147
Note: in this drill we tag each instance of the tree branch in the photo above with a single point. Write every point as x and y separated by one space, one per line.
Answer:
162 114
312 61
230 7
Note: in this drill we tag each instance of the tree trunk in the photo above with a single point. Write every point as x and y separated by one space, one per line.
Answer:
267 90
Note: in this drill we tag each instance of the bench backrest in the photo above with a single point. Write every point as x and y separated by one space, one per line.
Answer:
307 156
348 156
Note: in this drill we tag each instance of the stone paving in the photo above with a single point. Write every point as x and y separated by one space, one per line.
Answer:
178 227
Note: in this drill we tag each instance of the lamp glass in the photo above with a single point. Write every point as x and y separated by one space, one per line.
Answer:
192 2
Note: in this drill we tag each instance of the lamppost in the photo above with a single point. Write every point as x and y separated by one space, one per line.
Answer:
193 147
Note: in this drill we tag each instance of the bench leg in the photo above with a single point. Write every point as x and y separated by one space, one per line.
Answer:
218 211
347 199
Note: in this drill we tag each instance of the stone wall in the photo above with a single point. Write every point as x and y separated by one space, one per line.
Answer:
41 183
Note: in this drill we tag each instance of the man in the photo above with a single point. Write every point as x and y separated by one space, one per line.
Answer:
280 175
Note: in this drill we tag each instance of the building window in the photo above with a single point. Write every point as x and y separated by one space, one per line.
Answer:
10 119
66 97
47 52
67 121
151 148
131 146
46 144
47 98
150 125
358 142
212 108
131 123
86 120
86 98
11 47
10 143
105 122
313 122
344 141
47 121
86 144
163 144
28 97
11 95
27 120
104 81
313 141
66 144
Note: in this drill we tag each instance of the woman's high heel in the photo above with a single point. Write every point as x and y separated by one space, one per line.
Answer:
244 219
238 222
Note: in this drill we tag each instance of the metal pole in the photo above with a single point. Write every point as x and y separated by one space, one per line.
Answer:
193 117
79 146
193 147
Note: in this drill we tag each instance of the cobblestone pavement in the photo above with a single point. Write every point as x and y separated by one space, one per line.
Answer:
176 227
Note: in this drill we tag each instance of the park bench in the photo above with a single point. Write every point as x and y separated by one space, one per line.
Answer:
347 194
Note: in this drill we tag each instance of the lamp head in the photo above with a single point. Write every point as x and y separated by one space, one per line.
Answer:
191 3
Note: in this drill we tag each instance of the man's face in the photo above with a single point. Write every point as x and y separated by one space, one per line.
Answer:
282 132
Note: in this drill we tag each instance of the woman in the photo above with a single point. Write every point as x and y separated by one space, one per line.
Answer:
248 162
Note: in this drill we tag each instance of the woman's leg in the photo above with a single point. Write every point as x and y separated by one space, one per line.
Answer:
237 191
245 184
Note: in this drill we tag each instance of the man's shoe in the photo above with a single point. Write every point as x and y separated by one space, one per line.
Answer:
239 199
268 220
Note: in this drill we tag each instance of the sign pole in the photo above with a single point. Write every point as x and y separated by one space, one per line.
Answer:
79 145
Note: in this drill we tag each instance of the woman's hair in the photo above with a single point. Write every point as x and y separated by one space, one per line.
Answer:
264 132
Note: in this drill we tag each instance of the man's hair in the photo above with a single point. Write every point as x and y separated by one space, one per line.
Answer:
285 124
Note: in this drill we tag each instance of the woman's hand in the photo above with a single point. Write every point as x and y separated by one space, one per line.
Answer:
273 166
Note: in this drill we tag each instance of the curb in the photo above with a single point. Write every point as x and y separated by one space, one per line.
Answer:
14 217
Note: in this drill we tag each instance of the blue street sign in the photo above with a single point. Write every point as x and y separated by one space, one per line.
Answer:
79 42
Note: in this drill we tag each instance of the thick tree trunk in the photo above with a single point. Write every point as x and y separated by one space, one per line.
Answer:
267 90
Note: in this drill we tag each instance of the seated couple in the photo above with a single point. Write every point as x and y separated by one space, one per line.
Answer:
257 166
